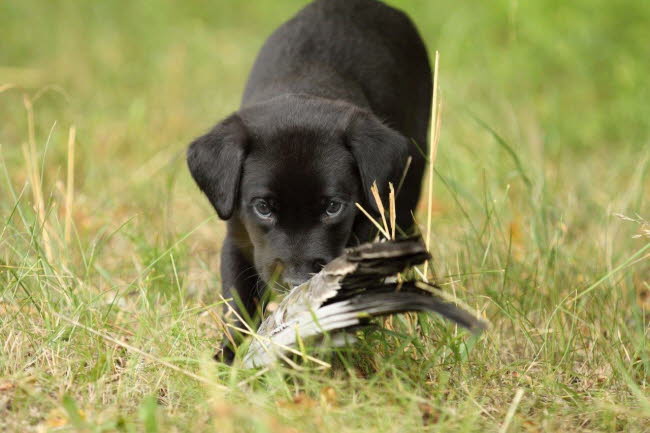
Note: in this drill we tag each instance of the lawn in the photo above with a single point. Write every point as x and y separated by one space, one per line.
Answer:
109 284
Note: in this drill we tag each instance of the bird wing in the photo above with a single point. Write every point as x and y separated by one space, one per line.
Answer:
347 293
357 267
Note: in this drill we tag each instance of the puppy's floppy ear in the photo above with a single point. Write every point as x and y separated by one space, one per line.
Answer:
215 161
380 151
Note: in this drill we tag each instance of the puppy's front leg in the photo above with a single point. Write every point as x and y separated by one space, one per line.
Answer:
243 286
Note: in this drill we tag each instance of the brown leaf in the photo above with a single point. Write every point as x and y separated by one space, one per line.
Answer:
531 426
300 401
56 418
6 386
429 414
328 395
643 296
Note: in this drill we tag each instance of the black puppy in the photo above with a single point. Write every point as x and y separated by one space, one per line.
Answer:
339 97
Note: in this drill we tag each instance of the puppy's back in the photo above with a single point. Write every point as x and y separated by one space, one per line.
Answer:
362 51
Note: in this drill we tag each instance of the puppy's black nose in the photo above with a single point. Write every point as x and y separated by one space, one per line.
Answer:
318 264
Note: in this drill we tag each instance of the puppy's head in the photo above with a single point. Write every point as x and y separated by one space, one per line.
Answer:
288 172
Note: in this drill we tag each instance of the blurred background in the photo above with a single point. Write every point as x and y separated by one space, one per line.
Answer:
545 138
141 78
545 110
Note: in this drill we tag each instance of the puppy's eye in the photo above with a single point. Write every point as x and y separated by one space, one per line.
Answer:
262 208
334 208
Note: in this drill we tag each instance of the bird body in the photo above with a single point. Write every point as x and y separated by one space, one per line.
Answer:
349 291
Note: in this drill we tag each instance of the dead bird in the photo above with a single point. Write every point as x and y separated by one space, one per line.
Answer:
348 292
339 97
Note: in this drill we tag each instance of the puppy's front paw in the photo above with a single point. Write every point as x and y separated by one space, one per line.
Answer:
226 355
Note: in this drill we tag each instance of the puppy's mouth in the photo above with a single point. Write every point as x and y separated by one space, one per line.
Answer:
284 286
281 284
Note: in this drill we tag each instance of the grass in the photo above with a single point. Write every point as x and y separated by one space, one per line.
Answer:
109 284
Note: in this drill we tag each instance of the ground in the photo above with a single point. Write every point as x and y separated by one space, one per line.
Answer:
109 254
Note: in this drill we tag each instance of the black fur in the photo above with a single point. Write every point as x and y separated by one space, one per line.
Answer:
339 97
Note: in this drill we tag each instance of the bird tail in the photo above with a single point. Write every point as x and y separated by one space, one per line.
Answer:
410 297
387 300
